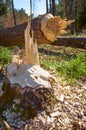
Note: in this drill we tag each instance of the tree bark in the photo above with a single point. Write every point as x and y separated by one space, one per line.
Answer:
65 8
53 7
47 6
14 17
43 28
78 42
50 6
15 35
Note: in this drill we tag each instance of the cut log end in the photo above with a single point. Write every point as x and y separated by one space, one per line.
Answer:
52 27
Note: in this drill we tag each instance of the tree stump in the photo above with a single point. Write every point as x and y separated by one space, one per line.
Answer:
32 86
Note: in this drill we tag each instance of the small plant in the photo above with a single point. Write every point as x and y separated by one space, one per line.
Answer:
5 56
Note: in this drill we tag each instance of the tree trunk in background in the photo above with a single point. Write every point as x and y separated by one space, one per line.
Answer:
73 28
65 8
50 6
31 9
75 4
47 6
14 17
53 7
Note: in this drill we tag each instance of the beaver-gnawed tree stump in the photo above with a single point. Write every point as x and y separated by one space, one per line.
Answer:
32 86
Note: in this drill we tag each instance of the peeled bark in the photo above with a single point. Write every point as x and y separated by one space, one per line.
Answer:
46 28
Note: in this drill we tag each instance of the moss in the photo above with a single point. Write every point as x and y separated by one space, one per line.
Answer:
8 96
49 100
7 101
29 103
28 112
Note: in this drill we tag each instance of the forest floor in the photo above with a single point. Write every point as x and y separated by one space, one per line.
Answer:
70 111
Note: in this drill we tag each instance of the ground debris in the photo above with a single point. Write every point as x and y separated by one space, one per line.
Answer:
69 113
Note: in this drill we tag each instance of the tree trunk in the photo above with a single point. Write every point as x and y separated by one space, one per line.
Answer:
43 28
47 6
78 42
65 8
14 17
50 6
53 7
73 27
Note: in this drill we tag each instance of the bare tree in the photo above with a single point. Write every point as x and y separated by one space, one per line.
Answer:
75 8
14 17
65 8
53 7
30 8
50 5
47 10
73 29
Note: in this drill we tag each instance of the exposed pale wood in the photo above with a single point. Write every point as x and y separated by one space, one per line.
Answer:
28 75
31 47
7 126
10 128
27 42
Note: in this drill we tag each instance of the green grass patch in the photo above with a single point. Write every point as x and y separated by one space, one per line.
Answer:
5 56
70 68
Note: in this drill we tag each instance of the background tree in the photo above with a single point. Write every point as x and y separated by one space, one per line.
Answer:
81 14
54 7
60 8
6 17
14 17
21 16
3 9
73 9
65 8
50 6
47 9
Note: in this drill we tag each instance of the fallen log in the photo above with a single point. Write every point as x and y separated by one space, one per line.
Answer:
76 42
46 28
